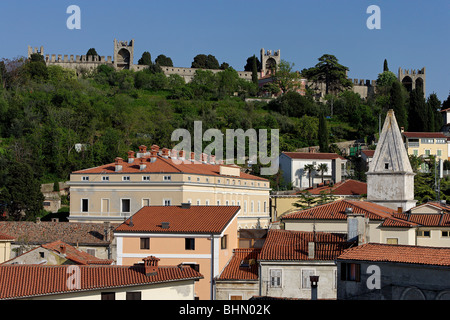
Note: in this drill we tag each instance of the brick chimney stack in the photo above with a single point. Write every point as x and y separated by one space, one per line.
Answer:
182 155
142 149
151 266
142 164
165 153
130 156
119 163
153 155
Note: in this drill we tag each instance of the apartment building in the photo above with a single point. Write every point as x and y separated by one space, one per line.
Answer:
202 237
115 191
425 144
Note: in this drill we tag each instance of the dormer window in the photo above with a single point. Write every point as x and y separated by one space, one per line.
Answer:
386 166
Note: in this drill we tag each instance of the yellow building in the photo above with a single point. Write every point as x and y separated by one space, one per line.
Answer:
425 144
115 191
5 247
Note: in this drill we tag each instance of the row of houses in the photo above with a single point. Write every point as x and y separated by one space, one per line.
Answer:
164 225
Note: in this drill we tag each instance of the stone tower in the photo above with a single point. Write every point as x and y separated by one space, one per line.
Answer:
269 62
123 54
390 179
412 79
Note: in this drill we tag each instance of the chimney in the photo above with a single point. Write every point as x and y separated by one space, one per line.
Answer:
182 155
38 220
165 153
55 219
192 156
142 149
357 227
107 230
151 266
62 248
311 247
336 170
212 159
154 148
131 224
314 280
399 209
130 156
174 154
142 165
119 163
153 155
204 158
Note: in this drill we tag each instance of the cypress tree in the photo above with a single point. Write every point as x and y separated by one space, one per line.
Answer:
385 66
397 103
323 134
417 115
254 71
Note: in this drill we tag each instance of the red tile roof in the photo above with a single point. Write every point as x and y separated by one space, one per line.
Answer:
196 219
20 281
77 256
290 245
346 188
5 237
377 252
44 232
368 153
424 135
165 165
336 211
313 155
235 270
424 219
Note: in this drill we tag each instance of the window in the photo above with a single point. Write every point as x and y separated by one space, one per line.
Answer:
416 152
91 252
134 295
265 206
105 178
146 178
218 202
234 297
198 179
439 153
207 202
84 205
224 242
85 178
207 180
227 202
145 202
42 254
423 233
167 202
392 241
108 296
145 243
275 278
446 233
198 202
386 166
167 178
350 272
245 206
427 153
306 282
259 206
189 178
126 178
252 207
126 207
189 244
441 141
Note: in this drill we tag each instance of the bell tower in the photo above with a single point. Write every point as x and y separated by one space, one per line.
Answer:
123 54
390 179
269 62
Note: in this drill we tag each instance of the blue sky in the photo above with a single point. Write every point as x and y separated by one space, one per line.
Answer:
413 34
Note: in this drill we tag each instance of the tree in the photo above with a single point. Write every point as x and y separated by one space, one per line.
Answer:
224 66
306 200
203 61
417 114
163 61
435 117
20 191
323 134
446 103
397 103
330 72
309 169
385 66
250 64
322 168
35 68
146 59
285 77
92 52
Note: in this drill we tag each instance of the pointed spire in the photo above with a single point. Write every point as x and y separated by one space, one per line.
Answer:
390 154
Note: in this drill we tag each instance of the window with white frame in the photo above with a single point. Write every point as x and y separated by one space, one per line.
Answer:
306 282
105 178
167 178
84 205
126 178
125 205
275 278
145 178
85 178
167 202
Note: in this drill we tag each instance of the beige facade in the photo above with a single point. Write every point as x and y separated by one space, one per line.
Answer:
5 250
115 196
205 256
426 144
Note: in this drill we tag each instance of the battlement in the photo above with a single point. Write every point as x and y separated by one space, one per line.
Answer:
269 53
363 82
411 72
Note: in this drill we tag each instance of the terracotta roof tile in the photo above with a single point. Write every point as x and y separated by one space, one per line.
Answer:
44 232
424 135
293 245
5 237
346 188
77 256
18 281
377 252
196 219
313 155
165 165
336 211
236 270
425 219
368 153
